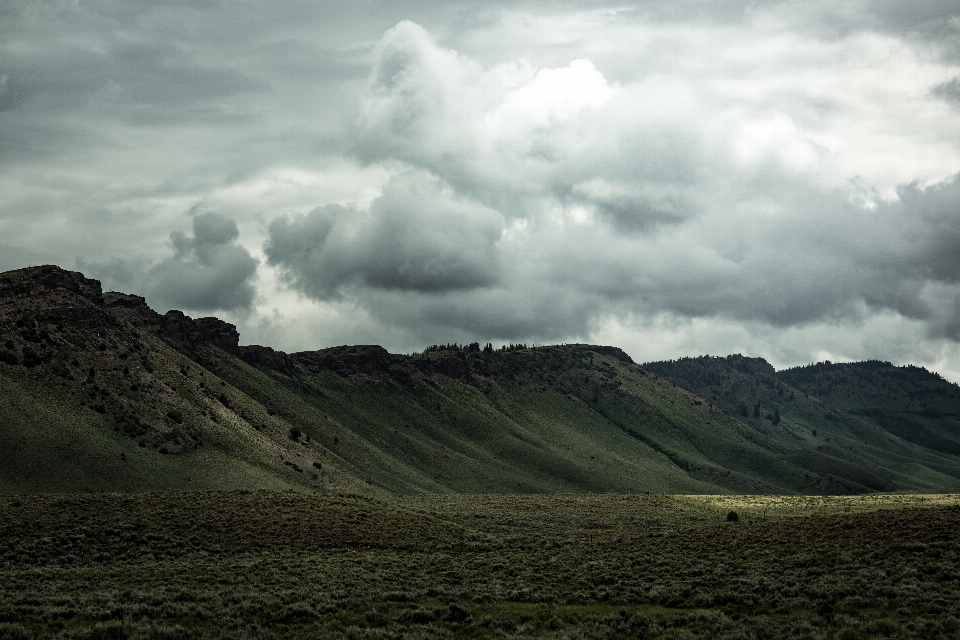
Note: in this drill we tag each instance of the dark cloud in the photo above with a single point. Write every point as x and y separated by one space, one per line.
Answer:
207 272
927 17
416 236
949 90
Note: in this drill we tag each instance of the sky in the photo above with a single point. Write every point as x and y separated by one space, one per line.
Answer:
777 179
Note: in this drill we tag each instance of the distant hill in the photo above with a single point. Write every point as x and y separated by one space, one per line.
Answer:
910 402
98 392
903 423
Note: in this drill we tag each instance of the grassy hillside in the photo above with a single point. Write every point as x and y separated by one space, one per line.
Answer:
560 418
910 402
905 431
101 393
92 403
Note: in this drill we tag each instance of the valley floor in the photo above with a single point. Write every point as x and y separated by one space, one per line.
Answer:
271 564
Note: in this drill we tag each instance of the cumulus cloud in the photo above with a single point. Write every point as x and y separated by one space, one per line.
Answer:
418 172
208 271
417 236
480 130
568 200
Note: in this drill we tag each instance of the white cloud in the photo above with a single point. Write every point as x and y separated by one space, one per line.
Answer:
552 96
633 201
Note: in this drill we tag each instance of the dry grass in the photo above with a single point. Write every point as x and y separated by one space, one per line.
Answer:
265 564
789 506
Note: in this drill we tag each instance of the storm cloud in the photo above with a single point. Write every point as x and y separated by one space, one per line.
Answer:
417 236
615 200
208 271
778 179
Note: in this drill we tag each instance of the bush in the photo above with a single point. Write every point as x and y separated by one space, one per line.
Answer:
13 631
294 433
31 358
9 358
733 517
113 630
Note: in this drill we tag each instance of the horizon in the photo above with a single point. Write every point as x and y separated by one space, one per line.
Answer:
774 180
504 346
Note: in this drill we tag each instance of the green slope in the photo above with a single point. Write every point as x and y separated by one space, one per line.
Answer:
560 418
91 403
99 392
840 415
909 402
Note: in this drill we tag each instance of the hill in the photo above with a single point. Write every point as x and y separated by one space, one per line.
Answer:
900 422
910 402
98 392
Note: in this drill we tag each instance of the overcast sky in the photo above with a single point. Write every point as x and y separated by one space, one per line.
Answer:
775 179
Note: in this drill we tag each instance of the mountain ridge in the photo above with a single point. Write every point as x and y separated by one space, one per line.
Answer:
100 392
807 416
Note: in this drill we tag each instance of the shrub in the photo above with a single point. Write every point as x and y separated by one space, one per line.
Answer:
9 358
113 630
13 631
733 517
294 433
30 357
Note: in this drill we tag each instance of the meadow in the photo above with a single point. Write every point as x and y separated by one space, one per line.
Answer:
297 565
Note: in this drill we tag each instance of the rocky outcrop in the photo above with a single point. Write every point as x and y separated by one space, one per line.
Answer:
268 359
188 335
47 279
51 295
364 359
751 366
177 329
613 352
132 309
58 295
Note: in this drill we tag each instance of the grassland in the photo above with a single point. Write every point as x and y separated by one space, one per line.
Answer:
296 565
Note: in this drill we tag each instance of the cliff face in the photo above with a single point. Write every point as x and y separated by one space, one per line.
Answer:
32 282
176 328
51 295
